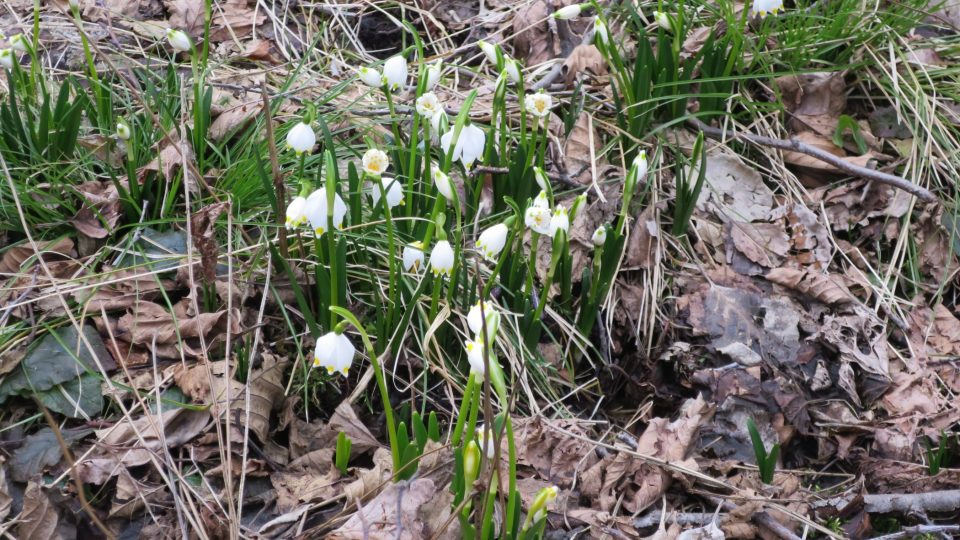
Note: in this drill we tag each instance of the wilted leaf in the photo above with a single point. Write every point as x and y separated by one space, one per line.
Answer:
203 226
815 100
753 247
59 371
860 337
809 238
101 209
171 334
232 119
580 149
370 480
41 450
14 257
170 159
169 429
345 419
550 452
39 518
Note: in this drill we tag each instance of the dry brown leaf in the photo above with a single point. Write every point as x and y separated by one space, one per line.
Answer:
14 257
585 59
644 239
310 478
733 190
186 15
101 209
232 119
203 224
370 480
809 238
39 518
815 100
400 504
345 419
754 247
533 43
6 501
580 149
258 50
235 19
553 454
860 337
823 287
150 326
170 159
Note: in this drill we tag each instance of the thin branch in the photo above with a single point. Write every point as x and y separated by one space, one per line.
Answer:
795 145
919 530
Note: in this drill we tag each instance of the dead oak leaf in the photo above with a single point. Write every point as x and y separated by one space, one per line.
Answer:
823 287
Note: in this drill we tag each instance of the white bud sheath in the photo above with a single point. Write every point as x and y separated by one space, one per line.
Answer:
489 50
433 75
600 32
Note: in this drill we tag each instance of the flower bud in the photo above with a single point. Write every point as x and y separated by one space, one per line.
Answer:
568 12
179 40
599 237
123 130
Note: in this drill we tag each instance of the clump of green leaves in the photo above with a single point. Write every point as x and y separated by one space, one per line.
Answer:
688 189
766 462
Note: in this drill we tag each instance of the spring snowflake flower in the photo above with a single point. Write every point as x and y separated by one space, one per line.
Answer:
334 352
541 200
179 40
318 214
480 311
475 353
538 509
599 237
488 445
489 49
6 58
434 71
18 43
439 123
663 20
370 77
442 181
375 162
394 191
539 104
428 105
301 138
568 12
600 32
512 68
538 219
491 241
395 72
542 179
762 7
413 257
123 130
559 221
640 163
470 144
442 259
297 212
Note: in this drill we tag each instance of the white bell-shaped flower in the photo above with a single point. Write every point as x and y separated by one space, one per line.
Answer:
489 50
434 71
640 163
439 123
442 259
18 43
428 105
537 219
559 221
475 352
486 442
301 138
663 20
491 241
469 146
370 77
568 12
442 181
512 68
542 179
6 58
375 162
600 32
413 257
334 352
317 212
394 191
123 131
762 7
179 40
297 212
541 200
395 72
539 103
599 237
479 312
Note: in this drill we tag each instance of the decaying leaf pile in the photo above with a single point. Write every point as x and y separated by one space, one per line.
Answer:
783 306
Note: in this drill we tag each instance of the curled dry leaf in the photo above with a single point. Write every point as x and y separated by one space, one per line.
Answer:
533 43
823 287
203 226
584 60
101 209
39 518
170 159
233 119
751 248
815 100
149 326
397 512
14 258
809 238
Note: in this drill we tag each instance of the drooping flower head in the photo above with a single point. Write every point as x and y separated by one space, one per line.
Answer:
179 40
491 241
123 131
393 188
486 441
334 352
477 314
600 32
301 138
434 71
489 50
559 221
428 105
370 77
512 69
296 212
470 144
6 58
442 181
413 257
318 214
375 162
18 43
475 351
442 259
599 237
539 507
395 72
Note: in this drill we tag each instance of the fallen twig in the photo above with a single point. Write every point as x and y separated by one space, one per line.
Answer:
795 145
561 178
918 530
763 519
932 501
652 519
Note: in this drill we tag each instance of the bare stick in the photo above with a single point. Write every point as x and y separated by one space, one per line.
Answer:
275 169
932 501
763 519
919 530
795 145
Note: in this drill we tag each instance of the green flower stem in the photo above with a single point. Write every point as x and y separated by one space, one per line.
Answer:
548 283
532 264
488 286
392 290
472 416
134 187
91 66
414 170
488 507
512 479
381 383
542 150
331 241
464 410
